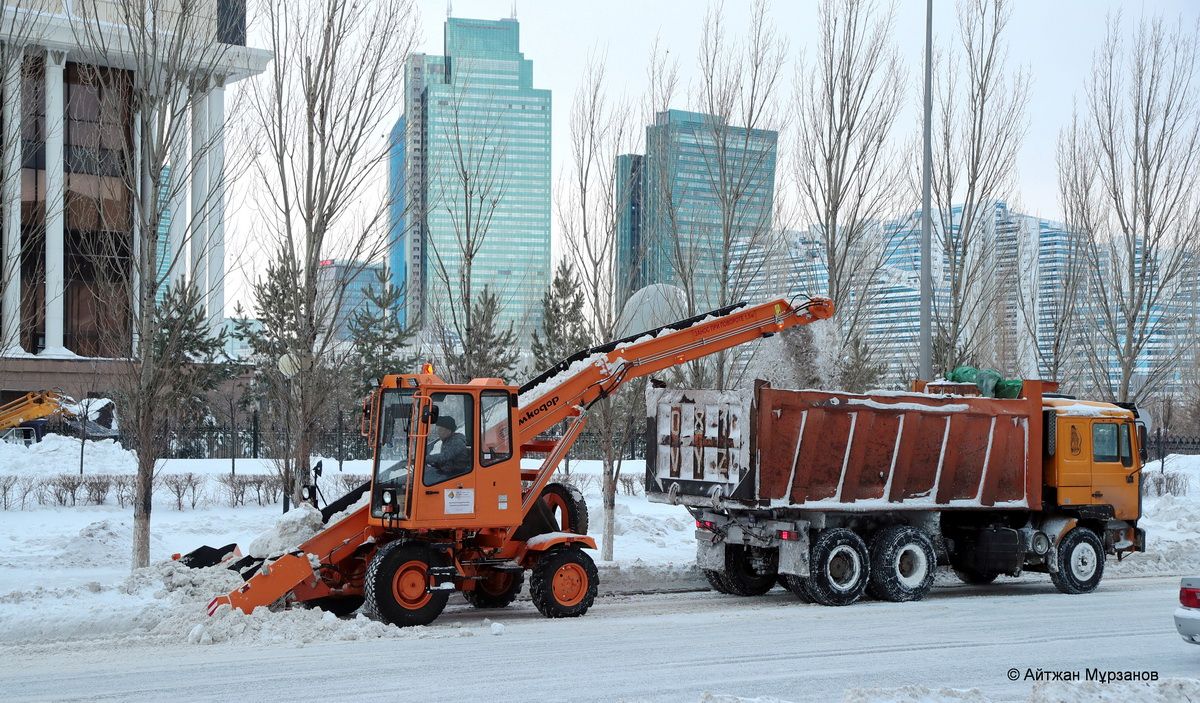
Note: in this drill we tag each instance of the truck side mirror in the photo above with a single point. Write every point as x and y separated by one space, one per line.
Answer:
1141 432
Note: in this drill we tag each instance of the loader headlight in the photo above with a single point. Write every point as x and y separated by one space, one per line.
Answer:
388 497
306 493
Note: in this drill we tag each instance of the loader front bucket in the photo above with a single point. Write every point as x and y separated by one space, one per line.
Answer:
272 582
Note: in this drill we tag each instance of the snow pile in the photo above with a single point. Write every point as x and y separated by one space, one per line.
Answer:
1165 691
101 543
291 530
57 454
1172 540
915 694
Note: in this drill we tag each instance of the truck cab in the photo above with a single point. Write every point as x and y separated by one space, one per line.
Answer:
1093 457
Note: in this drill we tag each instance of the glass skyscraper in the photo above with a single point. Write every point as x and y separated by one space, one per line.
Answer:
470 170
675 200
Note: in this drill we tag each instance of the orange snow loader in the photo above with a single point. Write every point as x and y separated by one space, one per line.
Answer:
31 406
449 506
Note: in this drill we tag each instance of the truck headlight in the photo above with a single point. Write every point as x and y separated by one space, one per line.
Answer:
1041 543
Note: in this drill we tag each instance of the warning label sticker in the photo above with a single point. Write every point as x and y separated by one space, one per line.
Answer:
502 502
459 501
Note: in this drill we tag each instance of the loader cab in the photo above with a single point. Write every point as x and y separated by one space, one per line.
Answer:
444 454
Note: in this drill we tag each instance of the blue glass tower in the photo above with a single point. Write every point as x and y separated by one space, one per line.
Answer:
473 111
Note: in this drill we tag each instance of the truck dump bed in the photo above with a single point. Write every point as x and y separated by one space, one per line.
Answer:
822 450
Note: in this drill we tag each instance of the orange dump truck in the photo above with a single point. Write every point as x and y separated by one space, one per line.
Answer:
836 494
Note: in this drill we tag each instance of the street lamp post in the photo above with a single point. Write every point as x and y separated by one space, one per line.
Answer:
926 337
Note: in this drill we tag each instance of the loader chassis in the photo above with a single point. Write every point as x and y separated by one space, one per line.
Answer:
837 495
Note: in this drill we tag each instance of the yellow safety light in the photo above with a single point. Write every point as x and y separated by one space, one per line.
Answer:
427 369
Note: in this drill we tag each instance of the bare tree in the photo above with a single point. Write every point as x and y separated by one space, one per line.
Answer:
721 232
978 129
1132 170
148 67
847 171
467 193
589 206
318 115
19 71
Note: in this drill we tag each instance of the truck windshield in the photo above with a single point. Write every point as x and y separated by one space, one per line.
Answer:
391 454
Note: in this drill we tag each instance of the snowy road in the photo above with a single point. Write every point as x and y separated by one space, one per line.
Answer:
660 648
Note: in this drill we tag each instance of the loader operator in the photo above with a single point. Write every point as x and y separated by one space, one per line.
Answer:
453 458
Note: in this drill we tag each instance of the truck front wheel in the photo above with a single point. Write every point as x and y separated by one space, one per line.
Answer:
839 567
902 564
1080 562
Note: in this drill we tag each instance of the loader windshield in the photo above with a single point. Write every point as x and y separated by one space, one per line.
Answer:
392 454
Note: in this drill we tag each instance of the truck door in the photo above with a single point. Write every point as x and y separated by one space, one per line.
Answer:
447 491
1072 460
1112 464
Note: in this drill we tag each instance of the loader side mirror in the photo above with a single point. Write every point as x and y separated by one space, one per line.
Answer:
364 426
430 416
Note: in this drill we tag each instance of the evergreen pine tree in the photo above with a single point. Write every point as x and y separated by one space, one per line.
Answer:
489 351
563 330
379 340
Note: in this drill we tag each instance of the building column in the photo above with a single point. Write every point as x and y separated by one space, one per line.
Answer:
198 222
216 211
55 264
10 145
176 235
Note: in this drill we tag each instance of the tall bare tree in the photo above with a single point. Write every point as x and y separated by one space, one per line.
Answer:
144 66
847 170
978 129
717 254
1131 166
318 114
467 192
589 204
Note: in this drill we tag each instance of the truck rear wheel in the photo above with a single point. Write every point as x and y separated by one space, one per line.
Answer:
839 567
397 584
716 579
795 584
563 583
902 564
740 576
568 507
1080 562
497 589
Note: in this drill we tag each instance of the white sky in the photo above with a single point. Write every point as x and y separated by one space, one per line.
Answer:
1053 39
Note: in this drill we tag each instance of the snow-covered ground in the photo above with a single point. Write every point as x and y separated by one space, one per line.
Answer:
66 587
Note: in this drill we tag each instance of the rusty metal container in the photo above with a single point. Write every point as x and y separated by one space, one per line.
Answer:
821 450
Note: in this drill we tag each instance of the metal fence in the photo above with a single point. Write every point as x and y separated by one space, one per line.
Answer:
1163 444
345 444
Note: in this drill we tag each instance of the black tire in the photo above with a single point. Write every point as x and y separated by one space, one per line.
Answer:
839 567
739 575
716 579
902 564
497 590
795 584
974 577
393 584
340 607
1080 562
566 568
567 502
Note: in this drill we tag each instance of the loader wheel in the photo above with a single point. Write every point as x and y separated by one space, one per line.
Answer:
839 567
397 584
740 576
563 583
340 607
567 505
795 584
902 564
496 590
1080 562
